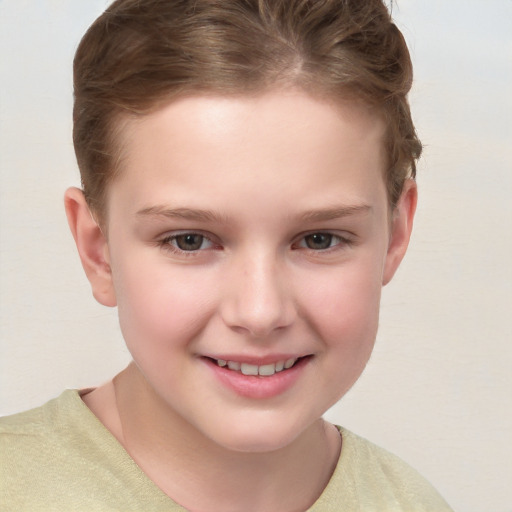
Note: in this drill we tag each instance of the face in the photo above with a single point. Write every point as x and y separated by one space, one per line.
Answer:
248 241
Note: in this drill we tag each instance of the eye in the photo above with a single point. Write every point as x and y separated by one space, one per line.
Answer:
190 242
321 241
318 241
187 242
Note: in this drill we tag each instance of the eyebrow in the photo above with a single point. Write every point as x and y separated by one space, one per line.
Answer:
180 213
320 215
326 214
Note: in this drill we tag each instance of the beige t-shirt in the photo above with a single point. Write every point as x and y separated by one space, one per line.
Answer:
59 457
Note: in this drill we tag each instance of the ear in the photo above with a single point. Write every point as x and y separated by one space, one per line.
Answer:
401 228
92 246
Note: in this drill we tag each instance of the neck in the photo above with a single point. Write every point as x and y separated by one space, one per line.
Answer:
202 476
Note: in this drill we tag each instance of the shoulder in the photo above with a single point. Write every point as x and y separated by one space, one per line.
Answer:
37 422
30 445
31 441
368 477
363 455
60 457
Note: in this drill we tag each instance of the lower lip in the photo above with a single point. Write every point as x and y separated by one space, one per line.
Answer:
253 386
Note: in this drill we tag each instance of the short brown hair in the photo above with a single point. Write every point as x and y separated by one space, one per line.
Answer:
140 54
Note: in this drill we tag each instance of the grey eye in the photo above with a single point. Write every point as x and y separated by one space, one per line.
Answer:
318 241
189 241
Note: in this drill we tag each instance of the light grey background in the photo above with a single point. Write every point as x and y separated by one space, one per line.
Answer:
438 389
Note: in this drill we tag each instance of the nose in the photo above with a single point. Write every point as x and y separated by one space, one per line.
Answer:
258 297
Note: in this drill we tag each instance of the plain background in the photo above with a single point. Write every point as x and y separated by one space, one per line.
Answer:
438 389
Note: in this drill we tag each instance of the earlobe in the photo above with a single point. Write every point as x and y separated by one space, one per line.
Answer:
92 246
401 228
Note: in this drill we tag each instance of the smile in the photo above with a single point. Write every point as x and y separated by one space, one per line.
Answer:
265 370
266 380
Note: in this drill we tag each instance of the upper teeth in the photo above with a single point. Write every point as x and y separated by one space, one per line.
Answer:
253 369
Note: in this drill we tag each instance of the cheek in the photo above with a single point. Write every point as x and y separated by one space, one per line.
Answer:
344 312
343 305
161 306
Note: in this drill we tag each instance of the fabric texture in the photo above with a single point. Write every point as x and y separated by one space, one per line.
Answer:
59 457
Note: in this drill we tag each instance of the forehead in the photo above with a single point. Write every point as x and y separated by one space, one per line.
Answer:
280 140
288 107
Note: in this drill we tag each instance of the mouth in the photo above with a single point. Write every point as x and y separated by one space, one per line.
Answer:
264 370
269 379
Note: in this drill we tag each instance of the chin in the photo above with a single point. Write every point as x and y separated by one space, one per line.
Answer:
252 435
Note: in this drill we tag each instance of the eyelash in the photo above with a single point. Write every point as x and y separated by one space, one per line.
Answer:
341 241
167 243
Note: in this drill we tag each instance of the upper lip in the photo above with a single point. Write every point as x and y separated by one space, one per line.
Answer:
256 360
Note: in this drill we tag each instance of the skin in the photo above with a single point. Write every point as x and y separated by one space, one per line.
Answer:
255 180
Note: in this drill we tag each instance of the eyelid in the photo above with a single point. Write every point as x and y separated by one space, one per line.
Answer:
345 239
165 242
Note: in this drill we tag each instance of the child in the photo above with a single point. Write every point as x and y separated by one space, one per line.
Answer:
247 171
